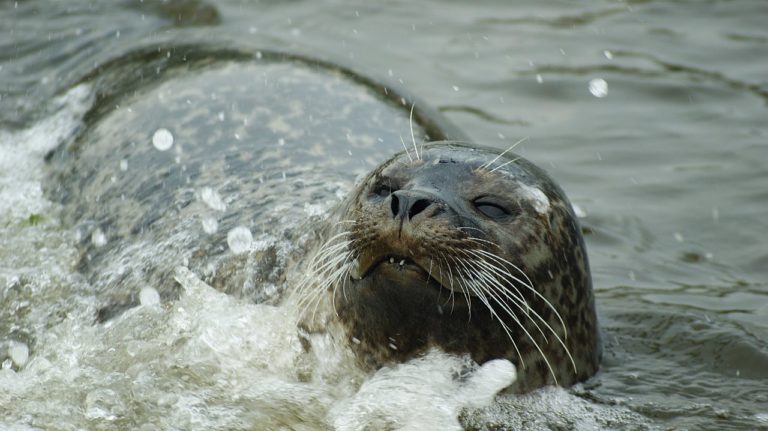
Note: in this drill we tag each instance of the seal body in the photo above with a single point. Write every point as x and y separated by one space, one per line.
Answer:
251 143
218 160
458 248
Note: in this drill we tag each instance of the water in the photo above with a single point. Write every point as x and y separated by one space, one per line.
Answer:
667 168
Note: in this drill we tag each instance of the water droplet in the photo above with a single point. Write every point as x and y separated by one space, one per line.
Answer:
19 353
539 78
162 139
98 238
679 237
211 198
239 239
455 88
598 87
221 116
210 225
608 54
149 296
123 165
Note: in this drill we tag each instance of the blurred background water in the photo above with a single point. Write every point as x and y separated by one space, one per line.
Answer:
652 115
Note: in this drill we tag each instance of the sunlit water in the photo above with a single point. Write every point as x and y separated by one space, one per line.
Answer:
651 115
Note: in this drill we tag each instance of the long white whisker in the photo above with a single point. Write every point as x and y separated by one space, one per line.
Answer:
413 137
518 300
505 164
480 295
528 285
504 152
406 149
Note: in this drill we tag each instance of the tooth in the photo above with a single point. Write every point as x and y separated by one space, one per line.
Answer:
355 271
391 260
402 262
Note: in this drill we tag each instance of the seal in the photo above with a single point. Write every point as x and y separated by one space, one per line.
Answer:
223 161
463 249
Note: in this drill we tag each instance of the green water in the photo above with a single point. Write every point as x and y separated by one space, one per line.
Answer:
670 167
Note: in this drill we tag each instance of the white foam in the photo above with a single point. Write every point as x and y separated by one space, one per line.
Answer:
19 353
423 393
21 154
149 296
551 408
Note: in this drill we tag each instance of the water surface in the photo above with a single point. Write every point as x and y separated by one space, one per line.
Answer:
667 162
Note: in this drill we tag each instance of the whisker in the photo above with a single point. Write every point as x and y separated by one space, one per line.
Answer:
505 164
511 280
406 149
529 286
487 165
413 138
493 312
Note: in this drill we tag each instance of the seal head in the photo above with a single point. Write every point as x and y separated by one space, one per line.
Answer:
469 251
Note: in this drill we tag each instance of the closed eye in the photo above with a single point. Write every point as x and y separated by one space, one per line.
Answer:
492 209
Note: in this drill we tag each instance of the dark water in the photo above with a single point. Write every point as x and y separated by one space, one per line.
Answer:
669 167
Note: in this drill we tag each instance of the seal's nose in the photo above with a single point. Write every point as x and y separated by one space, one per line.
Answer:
409 203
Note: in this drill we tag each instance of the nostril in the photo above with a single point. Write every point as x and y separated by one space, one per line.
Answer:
395 205
418 206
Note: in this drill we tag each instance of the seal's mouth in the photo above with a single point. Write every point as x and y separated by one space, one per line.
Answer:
397 263
402 269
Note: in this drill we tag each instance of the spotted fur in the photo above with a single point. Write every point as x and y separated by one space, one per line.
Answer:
440 273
